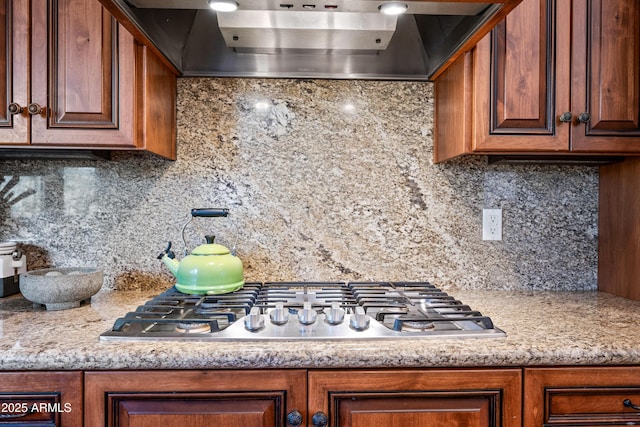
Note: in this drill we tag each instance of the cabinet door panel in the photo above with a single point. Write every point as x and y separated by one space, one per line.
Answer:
606 75
83 74
194 398
400 410
417 397
515 73
193 410
521 87
14 36
83 88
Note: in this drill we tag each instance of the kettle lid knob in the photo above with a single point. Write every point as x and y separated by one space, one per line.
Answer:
209 239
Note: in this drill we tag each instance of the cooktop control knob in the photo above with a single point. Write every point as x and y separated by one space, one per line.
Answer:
359 320
279 316
334 314
307 316
254 321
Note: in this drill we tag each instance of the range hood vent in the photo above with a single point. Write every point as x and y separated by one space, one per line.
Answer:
344 39
274 31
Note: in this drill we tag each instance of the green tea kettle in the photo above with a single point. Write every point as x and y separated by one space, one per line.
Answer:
211 268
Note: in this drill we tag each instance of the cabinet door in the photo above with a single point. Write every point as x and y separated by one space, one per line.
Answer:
606 75
14 39
581 396
508 94
41 398
405 398
193 398
521 81
82 75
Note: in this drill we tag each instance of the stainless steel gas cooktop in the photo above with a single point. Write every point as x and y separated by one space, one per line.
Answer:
304 310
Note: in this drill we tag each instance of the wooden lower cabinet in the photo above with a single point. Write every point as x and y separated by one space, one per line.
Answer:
505 397
194 398
41 399
470 398
414 398
581 396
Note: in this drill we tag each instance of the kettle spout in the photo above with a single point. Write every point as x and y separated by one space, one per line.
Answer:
171 264
168 258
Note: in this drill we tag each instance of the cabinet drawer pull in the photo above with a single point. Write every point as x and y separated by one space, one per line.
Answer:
628 404
17 415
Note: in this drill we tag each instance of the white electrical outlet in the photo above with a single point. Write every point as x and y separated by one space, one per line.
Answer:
492 224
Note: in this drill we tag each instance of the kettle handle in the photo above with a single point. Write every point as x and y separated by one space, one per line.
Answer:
210 212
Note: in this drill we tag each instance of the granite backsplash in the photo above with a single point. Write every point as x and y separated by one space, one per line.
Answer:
325 180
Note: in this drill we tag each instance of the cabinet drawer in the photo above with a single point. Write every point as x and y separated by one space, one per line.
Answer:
41 399
592 405
30 409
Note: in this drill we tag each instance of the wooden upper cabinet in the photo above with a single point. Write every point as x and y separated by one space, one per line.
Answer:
515 75
553 77
605 67
82 56
90 85
84 64
401 398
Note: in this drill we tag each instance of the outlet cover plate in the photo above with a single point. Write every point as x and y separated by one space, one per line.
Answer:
492 224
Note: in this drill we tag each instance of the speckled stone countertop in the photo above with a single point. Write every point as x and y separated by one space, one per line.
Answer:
543 328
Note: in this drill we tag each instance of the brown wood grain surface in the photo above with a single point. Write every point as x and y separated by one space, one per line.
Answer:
545 59
619 229
95 86
194 398
51 397
417 397
14 71
605 69
580 396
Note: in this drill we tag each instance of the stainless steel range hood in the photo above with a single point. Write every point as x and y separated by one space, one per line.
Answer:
343 39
